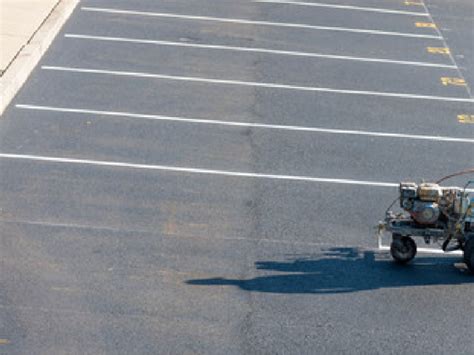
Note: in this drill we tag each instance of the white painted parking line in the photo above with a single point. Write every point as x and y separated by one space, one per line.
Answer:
383 247
255 84
256 50
426 250
176 169
344 7
260 23
116 114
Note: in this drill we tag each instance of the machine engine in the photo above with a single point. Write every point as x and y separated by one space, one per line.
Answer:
430 204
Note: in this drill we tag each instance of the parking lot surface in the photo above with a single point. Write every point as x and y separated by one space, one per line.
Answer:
204 176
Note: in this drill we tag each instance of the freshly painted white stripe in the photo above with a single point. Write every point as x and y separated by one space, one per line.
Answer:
246 124
255 84
257 50
260 23
419 250
428 250
177 169
344 7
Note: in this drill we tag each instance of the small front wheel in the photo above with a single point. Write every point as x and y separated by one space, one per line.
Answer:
402 249
469 253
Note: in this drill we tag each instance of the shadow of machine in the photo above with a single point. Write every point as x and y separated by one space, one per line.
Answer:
339 270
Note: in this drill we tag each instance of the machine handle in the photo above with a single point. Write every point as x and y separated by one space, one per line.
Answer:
469 182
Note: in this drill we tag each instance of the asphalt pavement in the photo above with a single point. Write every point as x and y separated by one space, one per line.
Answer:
204 176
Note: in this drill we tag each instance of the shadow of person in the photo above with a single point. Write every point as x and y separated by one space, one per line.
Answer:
346 270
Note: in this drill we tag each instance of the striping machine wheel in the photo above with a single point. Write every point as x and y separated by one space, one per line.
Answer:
402 249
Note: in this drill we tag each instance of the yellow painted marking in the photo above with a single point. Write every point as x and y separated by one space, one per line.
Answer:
4 341
453 81
425 24
416 3
438 50
171 225
466 118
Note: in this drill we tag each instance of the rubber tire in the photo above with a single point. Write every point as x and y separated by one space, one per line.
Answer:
402 249
469 254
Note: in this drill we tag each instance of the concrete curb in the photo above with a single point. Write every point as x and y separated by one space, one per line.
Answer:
24 63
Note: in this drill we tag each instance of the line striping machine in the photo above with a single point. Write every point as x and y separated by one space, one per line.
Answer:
437 214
